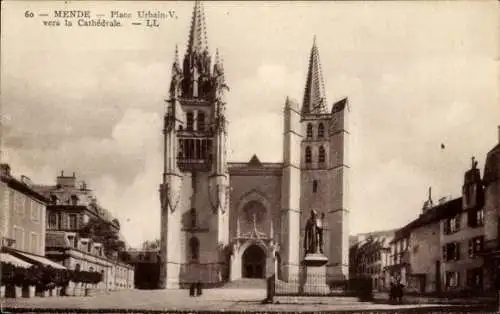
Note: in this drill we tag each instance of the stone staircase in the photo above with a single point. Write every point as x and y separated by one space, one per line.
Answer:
246 283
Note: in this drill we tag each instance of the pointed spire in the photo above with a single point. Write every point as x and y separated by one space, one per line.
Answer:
314 95
198 34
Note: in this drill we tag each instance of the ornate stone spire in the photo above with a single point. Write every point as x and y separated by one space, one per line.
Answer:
314 95
198 33
197 62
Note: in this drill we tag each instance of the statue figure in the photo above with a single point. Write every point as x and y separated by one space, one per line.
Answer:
313 239
319 225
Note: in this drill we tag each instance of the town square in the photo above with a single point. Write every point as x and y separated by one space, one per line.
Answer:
250 157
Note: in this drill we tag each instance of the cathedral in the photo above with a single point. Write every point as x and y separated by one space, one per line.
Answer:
223 220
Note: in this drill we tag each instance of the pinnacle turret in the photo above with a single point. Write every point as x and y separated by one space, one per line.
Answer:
218 65
314 94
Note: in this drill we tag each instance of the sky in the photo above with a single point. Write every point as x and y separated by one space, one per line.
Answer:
418 74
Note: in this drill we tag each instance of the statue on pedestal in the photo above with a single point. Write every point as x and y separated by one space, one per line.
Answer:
313 239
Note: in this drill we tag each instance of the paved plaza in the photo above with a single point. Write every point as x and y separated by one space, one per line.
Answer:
227 300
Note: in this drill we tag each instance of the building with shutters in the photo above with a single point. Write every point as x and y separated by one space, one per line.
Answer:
224 220
442 251
71 206
22 221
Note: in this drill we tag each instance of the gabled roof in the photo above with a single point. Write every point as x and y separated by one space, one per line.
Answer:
432 215
254 161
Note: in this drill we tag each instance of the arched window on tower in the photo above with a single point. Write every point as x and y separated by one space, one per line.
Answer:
193 217
201 121
321 154
308 155
321 130
315 186
309 130
189 120
194 246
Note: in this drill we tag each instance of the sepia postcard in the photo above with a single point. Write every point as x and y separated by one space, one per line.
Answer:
249 156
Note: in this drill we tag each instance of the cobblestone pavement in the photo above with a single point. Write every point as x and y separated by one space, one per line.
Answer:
211 300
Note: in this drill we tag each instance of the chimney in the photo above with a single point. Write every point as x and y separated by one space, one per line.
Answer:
5 170
66 181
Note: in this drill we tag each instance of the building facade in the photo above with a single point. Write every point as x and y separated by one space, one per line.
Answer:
370 256
491 183
83 254
445 250
225 220
22 221
72 208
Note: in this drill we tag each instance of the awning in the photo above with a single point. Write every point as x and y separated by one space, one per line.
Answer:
41 260
7 258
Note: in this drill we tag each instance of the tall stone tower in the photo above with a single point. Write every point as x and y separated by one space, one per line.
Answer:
315 174
194 190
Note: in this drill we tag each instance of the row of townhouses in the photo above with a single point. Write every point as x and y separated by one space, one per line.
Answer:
452 246
61 226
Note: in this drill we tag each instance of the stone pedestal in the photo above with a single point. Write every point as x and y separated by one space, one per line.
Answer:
313 276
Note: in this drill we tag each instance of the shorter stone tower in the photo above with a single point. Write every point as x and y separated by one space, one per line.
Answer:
315 174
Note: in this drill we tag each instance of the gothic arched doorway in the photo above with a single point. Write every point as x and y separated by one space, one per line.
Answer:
253 262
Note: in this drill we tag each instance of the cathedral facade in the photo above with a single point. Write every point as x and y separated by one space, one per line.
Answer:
222 220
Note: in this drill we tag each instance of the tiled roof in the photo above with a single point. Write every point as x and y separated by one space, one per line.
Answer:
435 214
23 188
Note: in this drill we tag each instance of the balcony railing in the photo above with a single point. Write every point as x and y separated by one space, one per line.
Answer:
192 164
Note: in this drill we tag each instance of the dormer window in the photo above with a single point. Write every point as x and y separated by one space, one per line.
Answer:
189 120
74 200
321 130
309 130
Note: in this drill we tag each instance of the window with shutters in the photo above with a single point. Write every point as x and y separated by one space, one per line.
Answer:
451 251
475 218
18 235
36 209
52 221
475 278
73 221
452 225
476 246
452 279
34 243
18 204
